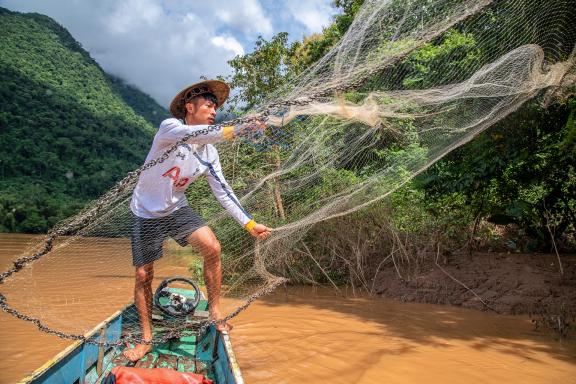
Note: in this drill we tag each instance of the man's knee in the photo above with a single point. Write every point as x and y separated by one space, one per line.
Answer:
144 274
205 242
212 249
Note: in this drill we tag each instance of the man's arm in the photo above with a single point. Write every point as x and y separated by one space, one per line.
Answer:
222 191
173 130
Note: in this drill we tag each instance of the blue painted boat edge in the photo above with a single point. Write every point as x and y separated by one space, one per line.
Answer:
232 362
38 376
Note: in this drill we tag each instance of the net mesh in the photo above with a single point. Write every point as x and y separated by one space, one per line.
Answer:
409 82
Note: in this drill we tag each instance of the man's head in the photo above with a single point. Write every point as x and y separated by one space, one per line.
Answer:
191 100
201 109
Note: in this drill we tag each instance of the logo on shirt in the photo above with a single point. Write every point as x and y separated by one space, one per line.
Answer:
182 153
174 174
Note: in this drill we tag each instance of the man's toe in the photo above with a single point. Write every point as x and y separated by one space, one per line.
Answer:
224 327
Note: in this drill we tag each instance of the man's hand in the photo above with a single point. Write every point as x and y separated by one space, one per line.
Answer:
260 231
256 126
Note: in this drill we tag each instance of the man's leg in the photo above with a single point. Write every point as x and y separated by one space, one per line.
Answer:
204 240
143 300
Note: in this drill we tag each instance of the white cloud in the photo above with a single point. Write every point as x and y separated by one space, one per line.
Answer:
162 45
132 14
246 16
229 43
163 57
313 14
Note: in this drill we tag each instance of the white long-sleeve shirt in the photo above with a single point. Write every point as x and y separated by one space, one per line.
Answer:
161 189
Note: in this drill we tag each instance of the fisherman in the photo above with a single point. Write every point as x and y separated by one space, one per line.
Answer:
160 207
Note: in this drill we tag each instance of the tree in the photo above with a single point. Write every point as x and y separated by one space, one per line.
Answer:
259 73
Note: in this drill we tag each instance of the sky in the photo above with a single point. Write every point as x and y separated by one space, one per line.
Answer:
161 46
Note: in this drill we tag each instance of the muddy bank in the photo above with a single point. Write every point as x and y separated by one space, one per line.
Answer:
507 283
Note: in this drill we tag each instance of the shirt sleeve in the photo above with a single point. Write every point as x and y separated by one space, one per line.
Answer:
173 130
223 192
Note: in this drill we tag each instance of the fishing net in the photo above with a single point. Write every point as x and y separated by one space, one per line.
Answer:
409 82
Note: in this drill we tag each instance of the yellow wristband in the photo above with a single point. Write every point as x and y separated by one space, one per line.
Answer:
228 132
250 225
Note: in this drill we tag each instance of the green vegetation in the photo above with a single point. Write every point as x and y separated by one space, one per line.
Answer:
522 172
69 131
513 187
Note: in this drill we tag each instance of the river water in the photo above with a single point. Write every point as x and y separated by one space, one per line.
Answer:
302 334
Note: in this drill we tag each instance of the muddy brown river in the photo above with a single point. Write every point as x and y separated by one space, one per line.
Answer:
299 334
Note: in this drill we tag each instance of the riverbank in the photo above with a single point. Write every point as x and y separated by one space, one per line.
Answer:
499 282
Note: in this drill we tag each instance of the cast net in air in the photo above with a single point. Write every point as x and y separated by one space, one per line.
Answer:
409 82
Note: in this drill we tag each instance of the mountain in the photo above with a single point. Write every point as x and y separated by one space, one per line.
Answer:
141 103
68 131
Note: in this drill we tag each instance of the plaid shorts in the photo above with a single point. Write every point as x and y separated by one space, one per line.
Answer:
149 234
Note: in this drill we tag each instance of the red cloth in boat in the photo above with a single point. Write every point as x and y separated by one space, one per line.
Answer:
129 375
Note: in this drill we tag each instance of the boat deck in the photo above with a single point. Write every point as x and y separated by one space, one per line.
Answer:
189 353
178 354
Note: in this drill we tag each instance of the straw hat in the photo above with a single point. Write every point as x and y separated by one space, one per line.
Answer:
219 88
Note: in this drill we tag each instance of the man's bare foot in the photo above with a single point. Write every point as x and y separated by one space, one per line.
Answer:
221 325
137 352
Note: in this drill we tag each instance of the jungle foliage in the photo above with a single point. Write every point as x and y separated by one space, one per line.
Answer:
513 187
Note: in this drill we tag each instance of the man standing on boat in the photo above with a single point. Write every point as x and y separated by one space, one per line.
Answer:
160 206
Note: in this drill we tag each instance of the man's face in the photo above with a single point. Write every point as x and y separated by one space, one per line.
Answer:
201 111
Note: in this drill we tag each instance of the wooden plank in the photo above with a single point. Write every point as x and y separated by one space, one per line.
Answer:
109 357
163 348
188 335
167 361
185 346
183 349
101 350
201 313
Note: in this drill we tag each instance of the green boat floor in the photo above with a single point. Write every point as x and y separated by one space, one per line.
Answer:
178 354
171 360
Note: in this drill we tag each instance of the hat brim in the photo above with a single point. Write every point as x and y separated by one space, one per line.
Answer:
219 88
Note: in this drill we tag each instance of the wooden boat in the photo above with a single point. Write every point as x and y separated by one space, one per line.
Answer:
209 353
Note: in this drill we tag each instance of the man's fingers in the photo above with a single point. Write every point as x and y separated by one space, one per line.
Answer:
261 232
263 235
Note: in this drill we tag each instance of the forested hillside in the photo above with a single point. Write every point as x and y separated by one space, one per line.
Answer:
68 130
